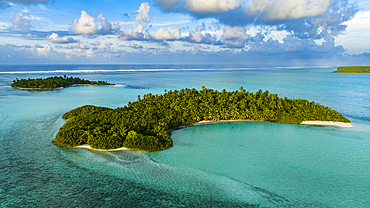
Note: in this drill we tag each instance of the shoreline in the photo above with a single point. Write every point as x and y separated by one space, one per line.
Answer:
324 123
327 123
86 146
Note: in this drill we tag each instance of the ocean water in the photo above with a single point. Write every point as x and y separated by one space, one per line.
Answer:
224 164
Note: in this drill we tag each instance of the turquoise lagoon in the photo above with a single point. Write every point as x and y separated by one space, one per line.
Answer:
224 164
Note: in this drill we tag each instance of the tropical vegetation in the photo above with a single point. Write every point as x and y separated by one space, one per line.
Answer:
146 124
353 69
53 82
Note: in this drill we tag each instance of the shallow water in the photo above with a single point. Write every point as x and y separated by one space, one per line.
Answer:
225 164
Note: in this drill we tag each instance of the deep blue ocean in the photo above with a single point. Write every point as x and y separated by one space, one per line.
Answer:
224 164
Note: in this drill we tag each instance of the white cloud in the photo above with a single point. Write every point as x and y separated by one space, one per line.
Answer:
142 14
170 34
85 25
54 38
235 33
96 43
82 45
29 36
4 25
131 45
211 6
22 21
136 33
89 53
198 37
43 50
287 9
356 37
108 46
105 25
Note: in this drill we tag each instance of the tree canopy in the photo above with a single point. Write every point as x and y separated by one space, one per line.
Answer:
146 123
353 69
53 82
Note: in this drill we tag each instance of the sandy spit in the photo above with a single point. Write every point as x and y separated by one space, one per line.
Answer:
329 123
86 146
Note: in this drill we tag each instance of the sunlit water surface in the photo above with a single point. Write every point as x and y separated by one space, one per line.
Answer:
224 164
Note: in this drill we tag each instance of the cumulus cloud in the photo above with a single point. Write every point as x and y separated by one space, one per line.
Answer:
231 33
21 21
106 26
170 34
198 37
54 38
87 25
287 9
136 33
142 14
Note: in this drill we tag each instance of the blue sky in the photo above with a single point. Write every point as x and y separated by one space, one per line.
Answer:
253 32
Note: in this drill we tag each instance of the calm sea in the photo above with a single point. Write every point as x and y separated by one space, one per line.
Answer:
225 164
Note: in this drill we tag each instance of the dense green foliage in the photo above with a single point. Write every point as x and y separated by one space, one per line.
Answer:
353 69
146 123
54 82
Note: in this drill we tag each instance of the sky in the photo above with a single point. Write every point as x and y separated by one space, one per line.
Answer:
255 33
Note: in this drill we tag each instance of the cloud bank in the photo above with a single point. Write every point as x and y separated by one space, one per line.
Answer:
304 18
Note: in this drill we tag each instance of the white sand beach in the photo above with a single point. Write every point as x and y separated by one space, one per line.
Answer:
86 146
326 123
329 123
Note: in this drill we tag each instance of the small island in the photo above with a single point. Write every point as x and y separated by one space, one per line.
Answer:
352 69
146 124
54 82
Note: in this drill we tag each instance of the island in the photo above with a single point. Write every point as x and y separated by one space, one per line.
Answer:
352 69
54 82
146 124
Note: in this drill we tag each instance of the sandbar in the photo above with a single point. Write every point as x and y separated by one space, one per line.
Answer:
327 123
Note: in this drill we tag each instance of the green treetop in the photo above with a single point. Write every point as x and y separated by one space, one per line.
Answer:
53 82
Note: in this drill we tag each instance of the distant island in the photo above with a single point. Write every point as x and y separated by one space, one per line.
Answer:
146 124
352 69
54 82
